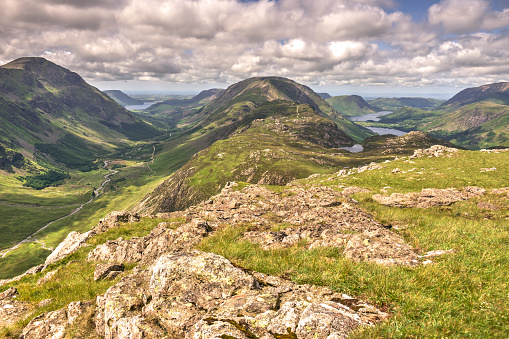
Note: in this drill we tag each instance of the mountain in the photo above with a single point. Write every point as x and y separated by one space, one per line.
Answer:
121 98
497 93
474 118
50 115
255 91
180 112
325 95
392 104
351 105
272 144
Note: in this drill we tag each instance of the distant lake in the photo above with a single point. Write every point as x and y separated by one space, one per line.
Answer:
140 107
379 130
371 116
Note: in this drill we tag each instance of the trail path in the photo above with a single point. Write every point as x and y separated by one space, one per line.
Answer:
96 193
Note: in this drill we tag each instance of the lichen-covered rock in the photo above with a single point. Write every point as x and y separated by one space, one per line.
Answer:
382 247
202 295
12 310
48 325
54 324
161 240
71 244
429 197
115 219
103 271
319 216
434 151
76 240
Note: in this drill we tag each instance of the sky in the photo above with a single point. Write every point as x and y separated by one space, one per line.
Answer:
366 47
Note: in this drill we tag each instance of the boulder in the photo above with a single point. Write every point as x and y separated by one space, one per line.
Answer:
71 244
115 219
161 240
202 295
434 151
429 197
55 324
12 310
107 271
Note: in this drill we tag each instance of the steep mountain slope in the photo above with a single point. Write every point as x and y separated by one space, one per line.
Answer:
392 104
351 105
50 113
273 144
122 98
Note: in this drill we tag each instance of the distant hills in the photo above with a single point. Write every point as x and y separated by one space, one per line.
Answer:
474 118
351 105
122 99
50 116
392 104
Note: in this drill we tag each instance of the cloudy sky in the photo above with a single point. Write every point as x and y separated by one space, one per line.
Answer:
398 47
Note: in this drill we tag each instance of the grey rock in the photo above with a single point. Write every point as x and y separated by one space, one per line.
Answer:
71 244
202 295
429 197
103 271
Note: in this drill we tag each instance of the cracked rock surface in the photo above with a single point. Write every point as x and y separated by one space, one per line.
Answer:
202 295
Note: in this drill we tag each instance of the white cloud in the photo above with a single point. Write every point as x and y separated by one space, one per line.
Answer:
335 41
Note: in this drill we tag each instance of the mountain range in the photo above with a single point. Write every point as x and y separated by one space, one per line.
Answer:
241 215
122 98
51 117
474 118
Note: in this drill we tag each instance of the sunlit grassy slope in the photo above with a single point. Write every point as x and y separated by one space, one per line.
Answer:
463 294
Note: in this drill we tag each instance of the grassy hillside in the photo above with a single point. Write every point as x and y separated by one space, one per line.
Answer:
463 293
50 114
274 143
351 105
392 104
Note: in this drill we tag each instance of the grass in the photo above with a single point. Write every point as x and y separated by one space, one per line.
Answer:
74 279
464 294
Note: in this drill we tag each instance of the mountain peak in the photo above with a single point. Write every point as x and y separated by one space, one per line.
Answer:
27 63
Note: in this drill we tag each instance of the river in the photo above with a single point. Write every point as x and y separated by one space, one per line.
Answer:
379 130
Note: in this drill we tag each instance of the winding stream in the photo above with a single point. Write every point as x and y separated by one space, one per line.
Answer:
79 208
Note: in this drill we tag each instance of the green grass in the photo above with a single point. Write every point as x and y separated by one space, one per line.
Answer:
464 294
74 280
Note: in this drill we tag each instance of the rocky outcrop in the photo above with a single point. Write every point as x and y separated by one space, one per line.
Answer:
12 310
202 295
434 151
115 219
76 240
71 244
107 271
55 324
161 240
429 197
319 216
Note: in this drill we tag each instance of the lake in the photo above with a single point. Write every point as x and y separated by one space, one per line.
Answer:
140 107
379 130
